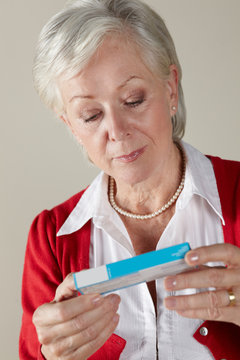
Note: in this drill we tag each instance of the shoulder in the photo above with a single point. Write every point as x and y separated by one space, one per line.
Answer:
67 206
225 164
55 217
226 171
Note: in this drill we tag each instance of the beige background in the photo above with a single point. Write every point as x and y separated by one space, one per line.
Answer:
42 166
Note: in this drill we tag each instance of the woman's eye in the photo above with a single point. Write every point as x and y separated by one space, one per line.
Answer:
92 118
134 103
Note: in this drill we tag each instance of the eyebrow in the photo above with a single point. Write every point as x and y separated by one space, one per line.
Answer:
119 87
129 79
81 97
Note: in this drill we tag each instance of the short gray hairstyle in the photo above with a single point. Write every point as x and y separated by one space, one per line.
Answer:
71 37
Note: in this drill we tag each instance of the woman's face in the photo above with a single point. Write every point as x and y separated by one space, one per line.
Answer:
121 112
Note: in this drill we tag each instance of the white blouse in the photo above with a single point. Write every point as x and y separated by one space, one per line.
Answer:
197 220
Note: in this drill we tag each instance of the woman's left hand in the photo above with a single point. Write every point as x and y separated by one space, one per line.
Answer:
210 305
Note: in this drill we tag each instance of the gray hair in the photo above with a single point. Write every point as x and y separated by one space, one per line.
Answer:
72 36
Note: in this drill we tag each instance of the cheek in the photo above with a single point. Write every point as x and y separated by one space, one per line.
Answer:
75 131
161 117
79 130
93 142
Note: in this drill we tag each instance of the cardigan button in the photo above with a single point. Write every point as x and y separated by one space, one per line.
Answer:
203 331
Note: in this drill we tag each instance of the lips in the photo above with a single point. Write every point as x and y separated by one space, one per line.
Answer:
130 157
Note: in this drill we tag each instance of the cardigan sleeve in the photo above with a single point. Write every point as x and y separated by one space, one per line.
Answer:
41 276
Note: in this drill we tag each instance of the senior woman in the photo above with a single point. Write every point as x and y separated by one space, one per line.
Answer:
109 70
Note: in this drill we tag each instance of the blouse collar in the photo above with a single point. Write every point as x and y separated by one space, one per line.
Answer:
199 181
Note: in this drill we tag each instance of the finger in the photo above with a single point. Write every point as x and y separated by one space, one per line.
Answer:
227 253
211 277
55 313
209 299
107 305
66 289
91 347
227 314
68 345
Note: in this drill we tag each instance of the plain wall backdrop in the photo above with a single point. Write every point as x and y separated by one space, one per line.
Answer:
41 164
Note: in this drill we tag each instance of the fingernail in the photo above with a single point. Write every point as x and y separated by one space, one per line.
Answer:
97 300
193 257
114 299
170 303
170 283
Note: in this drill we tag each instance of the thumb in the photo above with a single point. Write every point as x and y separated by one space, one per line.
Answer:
66 289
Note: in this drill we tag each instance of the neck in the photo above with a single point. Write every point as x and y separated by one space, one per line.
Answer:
150 195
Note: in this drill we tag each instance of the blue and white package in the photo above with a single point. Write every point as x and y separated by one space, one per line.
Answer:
132 271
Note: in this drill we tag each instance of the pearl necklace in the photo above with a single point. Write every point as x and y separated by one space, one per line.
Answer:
156 213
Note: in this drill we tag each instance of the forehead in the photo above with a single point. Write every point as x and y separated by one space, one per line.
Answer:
116 57
124 50
110 69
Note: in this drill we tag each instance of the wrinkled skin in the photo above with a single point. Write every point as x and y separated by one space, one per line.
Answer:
74 327
211 305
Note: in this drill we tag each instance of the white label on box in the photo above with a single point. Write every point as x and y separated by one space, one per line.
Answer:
94 276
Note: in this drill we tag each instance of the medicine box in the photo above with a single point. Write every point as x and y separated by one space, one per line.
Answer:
145 267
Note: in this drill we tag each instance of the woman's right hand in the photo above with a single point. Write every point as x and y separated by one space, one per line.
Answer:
75 327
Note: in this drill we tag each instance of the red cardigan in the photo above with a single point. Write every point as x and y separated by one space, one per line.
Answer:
49 259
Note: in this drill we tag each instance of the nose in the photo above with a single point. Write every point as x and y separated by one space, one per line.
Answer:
118 127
